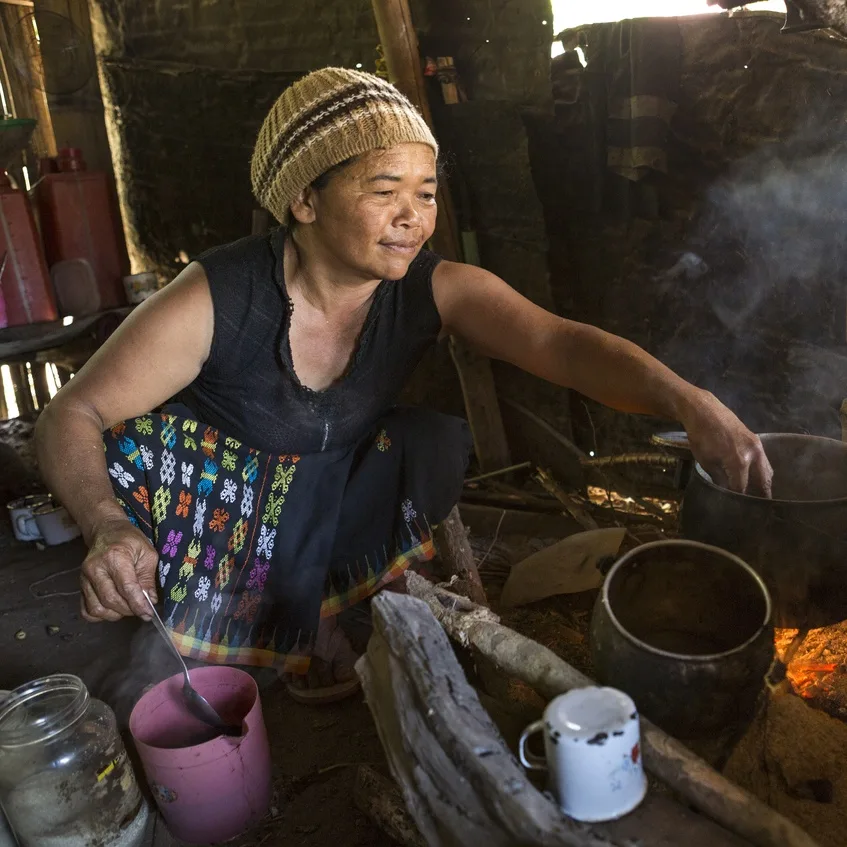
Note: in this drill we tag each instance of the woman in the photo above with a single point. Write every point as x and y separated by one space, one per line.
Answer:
281 485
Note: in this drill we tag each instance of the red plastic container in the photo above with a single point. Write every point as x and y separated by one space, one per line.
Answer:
27 293
78 222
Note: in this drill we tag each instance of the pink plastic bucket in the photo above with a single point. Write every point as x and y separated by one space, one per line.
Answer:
207 791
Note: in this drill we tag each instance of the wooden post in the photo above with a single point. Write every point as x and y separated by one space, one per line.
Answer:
402 55
451 541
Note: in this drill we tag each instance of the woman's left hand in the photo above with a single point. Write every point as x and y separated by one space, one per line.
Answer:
731 454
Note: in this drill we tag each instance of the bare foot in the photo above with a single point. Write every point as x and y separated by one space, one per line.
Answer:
332 674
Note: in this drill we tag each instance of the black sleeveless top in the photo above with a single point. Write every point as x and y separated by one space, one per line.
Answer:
248 388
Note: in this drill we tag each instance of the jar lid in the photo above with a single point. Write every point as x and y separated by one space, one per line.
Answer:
39 710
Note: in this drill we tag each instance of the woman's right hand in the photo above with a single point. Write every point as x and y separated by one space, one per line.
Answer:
120 565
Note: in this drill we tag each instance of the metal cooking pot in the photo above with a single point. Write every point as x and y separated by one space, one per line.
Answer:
797 541
685 630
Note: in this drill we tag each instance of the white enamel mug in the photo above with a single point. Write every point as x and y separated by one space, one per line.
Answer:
55 523
592 741
21 515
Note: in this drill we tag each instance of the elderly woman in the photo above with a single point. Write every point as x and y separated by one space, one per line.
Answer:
279 484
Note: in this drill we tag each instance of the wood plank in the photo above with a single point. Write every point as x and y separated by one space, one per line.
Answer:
666 758
460 782
481 406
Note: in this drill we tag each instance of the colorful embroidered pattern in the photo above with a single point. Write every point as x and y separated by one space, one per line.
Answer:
254 548
383 442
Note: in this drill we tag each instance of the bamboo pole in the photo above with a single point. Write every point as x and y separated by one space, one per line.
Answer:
402 56
29 101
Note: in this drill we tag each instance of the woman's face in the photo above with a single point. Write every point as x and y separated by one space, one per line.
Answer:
375 214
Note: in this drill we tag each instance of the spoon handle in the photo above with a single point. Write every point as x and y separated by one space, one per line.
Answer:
157 622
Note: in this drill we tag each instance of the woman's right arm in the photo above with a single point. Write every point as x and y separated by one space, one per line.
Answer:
157 351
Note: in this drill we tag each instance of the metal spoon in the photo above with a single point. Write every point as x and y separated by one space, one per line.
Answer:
197 704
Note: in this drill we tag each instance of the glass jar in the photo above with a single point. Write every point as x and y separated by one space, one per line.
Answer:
6 837
65 778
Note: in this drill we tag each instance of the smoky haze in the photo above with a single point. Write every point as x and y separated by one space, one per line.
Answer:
760 287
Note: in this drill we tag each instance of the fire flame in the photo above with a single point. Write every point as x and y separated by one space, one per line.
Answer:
808 678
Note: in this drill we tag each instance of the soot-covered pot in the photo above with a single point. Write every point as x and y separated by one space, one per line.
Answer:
796 541
684 629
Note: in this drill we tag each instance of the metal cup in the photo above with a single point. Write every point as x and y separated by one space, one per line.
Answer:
21 515
55 523
592 742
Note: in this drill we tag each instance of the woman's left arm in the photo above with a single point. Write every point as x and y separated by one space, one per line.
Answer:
482 309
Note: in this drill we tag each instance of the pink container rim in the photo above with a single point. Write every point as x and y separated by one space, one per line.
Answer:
143 724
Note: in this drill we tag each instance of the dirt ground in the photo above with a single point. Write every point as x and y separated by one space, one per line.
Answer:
315 750
792 756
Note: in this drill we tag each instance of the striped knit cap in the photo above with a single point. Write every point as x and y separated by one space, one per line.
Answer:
323 119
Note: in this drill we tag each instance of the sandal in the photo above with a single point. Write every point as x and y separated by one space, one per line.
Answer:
333 657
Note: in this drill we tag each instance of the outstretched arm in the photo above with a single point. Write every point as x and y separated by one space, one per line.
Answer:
481 308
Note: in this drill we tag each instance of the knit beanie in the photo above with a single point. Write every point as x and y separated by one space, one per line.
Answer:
322 120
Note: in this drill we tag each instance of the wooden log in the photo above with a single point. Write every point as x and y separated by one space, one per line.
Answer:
484 520
380 799
451 541
656 459
461 783
572 507
511 500
522 466
664 757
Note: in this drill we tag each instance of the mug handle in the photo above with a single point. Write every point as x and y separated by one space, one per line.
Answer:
530 760
21 522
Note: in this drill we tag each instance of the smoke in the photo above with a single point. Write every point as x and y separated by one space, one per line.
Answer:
785 217
124 679
760 287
